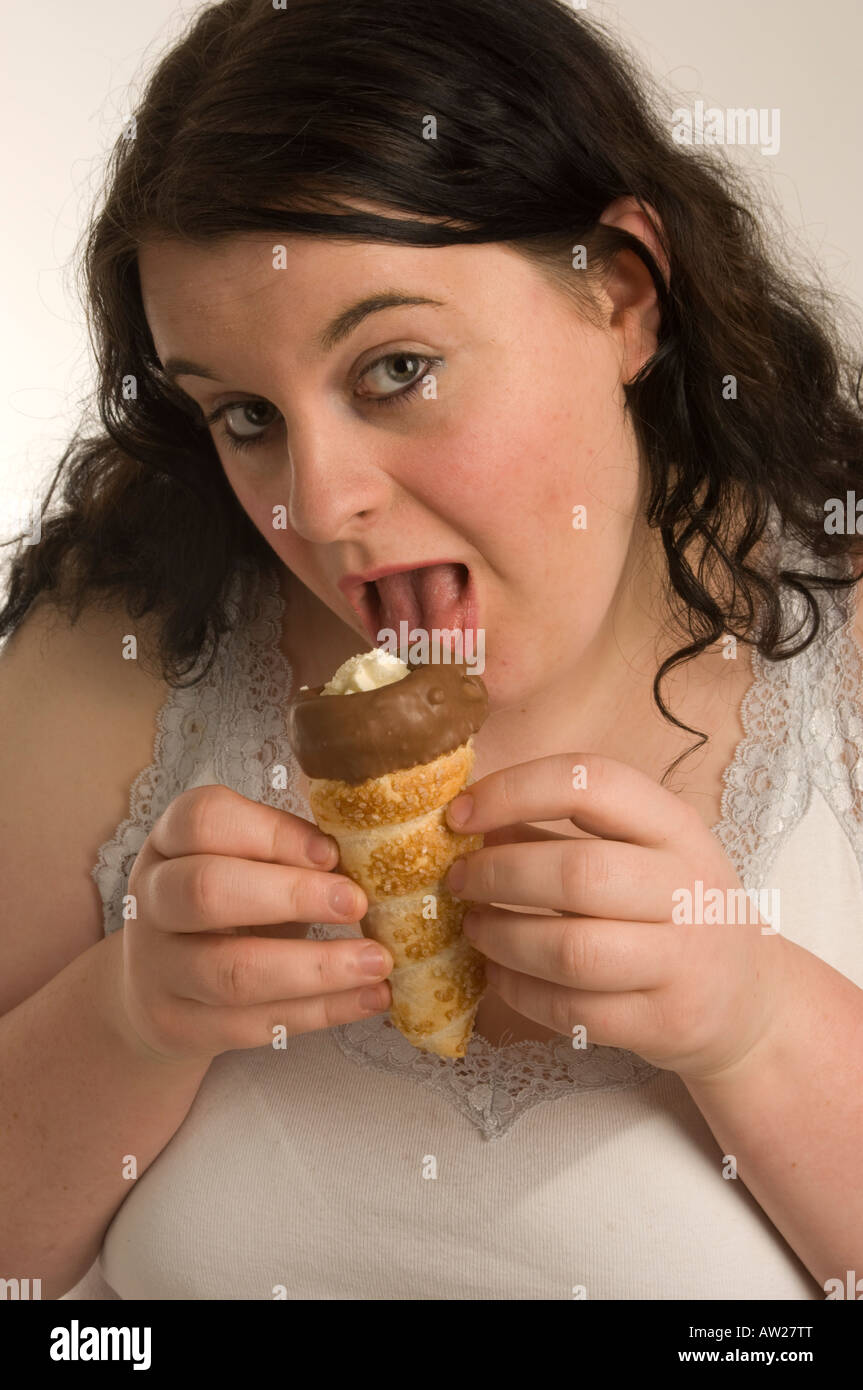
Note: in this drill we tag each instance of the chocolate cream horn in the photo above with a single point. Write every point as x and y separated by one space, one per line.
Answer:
386 746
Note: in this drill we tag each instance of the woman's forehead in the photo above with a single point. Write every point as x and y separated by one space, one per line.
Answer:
309 281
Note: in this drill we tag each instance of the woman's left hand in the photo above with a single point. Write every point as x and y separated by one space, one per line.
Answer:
694 999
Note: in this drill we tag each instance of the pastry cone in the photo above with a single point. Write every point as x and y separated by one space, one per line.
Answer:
395 843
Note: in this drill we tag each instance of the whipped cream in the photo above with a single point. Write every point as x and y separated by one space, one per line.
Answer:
366 671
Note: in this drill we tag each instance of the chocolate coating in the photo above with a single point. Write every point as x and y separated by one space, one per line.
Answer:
349 738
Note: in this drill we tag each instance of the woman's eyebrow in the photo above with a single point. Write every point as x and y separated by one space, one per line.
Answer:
350 318
334 333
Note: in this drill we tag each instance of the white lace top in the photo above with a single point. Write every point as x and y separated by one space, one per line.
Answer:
350 1165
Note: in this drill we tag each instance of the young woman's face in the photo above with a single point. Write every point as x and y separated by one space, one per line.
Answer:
522 424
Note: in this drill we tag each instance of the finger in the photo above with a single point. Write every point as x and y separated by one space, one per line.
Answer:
595 878
223 1029
283 931
217 820
590 953
203 892
609 1019
598 794
521 834
234 971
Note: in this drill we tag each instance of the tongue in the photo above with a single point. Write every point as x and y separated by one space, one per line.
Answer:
429 597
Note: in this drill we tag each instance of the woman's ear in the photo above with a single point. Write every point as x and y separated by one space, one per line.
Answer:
635 311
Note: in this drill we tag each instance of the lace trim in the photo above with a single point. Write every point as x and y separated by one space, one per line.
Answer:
180 735
231 721
834 727
495 1086
766 790
802 728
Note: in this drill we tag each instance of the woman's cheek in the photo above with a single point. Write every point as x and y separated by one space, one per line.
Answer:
260 501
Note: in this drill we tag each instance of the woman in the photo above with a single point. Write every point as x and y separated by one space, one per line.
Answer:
599 403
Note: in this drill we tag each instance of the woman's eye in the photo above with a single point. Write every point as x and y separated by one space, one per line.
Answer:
405 375
407 369
242 412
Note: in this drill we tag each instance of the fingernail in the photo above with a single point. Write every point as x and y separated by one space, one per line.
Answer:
374 998
321 849
344 899
372 961
470 924
456 876
461 809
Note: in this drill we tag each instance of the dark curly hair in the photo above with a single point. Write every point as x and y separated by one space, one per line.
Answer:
542 121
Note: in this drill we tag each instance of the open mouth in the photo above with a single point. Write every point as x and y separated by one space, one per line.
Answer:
434 597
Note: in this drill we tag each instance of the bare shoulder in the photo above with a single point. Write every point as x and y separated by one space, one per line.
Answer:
48 630
94 680
78 708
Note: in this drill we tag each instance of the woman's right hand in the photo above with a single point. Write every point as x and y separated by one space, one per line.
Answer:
214 867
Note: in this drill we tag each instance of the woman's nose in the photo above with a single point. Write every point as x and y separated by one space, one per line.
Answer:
331 484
